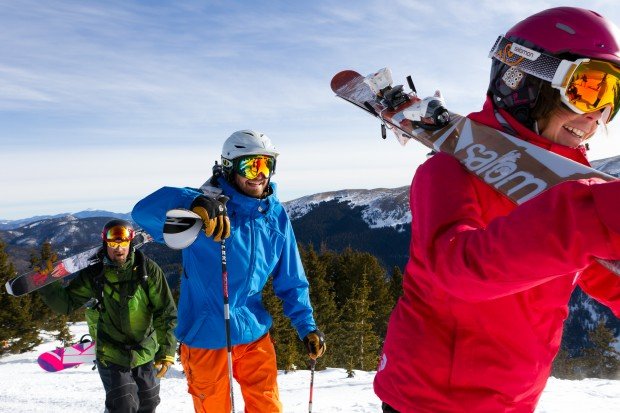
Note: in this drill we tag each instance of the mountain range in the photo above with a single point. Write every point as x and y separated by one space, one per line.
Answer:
6 224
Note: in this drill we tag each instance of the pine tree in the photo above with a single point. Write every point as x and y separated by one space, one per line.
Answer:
347 270
45 317
601 360
18 331
322 297
396 284
285 339
358 344
564 366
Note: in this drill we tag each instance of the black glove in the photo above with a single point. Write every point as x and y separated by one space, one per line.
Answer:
315 344
213 214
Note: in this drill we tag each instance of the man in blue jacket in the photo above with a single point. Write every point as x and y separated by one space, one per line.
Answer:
260 243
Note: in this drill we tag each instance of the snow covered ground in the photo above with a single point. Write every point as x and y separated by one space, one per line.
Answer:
25 387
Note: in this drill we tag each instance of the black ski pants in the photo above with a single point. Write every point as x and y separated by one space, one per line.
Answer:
129 390
387 408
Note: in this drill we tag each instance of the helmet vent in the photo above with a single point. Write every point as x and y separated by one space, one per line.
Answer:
566 28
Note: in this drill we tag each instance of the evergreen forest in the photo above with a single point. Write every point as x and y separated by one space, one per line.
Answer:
352 295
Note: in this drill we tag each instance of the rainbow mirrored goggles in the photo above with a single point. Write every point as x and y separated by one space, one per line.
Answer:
250 166
118 236
585 85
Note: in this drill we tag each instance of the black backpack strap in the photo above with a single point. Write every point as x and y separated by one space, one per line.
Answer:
97 281
143 276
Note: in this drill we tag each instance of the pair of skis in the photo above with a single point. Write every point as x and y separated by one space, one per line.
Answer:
62 358
513 167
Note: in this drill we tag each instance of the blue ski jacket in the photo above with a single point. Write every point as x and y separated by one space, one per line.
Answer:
261 243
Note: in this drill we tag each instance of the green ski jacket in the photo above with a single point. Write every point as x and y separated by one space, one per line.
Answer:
133 325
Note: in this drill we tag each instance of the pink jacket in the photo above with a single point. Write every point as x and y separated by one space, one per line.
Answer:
487 285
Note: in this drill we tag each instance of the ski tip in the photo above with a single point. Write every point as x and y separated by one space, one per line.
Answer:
342 78
47 365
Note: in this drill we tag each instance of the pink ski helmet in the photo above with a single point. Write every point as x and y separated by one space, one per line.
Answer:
564 32
579 32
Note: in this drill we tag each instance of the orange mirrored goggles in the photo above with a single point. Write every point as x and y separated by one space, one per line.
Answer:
593 85
251 166
118 236
585 85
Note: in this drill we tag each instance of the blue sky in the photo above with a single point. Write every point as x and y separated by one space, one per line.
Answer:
102 102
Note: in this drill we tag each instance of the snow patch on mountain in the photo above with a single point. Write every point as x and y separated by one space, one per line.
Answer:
382 207
610 166
69 231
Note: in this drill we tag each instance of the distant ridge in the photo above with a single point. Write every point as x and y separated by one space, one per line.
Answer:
6 224
382 207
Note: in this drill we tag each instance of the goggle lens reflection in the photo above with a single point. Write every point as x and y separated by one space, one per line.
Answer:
594 85
119 233
253 165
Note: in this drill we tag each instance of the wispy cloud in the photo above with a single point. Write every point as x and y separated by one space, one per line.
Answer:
160 85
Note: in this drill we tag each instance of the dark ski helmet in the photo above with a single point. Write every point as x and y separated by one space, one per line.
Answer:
118 229
564 32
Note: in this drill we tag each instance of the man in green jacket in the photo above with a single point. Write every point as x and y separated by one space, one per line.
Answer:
133 323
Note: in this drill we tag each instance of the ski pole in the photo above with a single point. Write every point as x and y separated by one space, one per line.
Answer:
227 321
312 365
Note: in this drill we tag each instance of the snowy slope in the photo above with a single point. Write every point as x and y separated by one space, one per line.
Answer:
26 388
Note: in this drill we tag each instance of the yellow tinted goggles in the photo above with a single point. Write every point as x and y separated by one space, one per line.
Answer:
116 244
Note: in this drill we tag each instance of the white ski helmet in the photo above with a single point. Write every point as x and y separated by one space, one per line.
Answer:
246 142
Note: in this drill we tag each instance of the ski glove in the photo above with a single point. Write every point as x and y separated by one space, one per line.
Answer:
315 344
162 366
213 214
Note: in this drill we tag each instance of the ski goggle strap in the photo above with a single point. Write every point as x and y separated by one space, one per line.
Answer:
250 166
118 233
585 85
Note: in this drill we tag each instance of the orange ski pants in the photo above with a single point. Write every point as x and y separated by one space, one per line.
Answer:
254 368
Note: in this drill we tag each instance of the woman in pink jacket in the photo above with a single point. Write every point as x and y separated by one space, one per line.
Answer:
487 285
